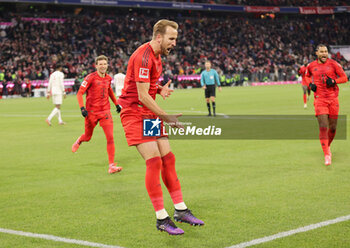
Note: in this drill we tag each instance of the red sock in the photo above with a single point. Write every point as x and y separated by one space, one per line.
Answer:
170 179
304 97
108 130
331 134
153 186
111 152
324 139
84 138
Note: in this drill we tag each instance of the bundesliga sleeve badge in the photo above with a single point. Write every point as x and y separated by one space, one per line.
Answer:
144 73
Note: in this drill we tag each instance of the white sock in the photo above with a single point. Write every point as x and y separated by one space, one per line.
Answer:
161 214
59 116
53 113
180 206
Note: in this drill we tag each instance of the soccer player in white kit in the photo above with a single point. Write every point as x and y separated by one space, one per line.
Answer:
56 90
119 82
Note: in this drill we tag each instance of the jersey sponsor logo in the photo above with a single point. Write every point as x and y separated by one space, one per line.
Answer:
84 83
144 73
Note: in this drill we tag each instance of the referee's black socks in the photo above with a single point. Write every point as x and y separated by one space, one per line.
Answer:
208 105
214 108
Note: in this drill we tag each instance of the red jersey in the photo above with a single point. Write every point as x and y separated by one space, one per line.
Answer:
143 67
97 90
302 73
319 73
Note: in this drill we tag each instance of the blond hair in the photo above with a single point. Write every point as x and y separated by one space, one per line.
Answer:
101 57
161 25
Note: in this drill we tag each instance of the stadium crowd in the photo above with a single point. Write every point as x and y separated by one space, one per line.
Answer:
247 46
293 2
270 2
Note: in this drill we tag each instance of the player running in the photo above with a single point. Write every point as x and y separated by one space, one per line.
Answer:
326 74
208 78
305 85
56 90
138 103
97 86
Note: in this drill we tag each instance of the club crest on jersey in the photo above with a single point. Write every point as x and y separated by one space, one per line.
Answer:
144 73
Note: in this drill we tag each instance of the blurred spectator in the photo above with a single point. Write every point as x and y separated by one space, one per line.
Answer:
77 83
28 87
2 81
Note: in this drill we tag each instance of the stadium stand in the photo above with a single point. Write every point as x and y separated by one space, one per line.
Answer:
240 46
271 2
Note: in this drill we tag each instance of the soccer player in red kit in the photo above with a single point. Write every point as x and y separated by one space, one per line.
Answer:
138 103
97 86
323 76
305 85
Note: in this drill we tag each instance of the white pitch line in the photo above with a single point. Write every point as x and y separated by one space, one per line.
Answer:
195 111
291 232
57 239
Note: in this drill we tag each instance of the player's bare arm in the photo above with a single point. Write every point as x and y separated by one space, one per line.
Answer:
151 104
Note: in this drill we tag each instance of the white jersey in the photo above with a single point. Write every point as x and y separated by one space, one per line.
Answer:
56 86
119 83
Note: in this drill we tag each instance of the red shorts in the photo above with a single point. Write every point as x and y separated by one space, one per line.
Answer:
132 119
327 106
104 119
304 83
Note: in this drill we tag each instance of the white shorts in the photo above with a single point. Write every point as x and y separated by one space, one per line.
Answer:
57 99
118 91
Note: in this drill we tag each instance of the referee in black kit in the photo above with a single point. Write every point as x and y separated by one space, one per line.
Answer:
208 78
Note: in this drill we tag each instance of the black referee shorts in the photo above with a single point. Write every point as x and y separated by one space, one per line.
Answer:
209 91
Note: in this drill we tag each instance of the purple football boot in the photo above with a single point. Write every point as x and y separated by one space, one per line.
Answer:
187 217
167 225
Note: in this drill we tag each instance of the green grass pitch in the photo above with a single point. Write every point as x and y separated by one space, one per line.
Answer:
242 189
